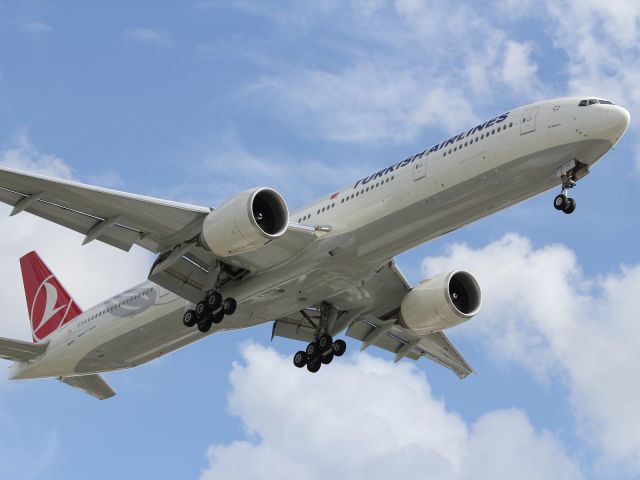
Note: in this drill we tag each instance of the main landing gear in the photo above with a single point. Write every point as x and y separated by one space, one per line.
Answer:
323 349
562 201
209 311
319 352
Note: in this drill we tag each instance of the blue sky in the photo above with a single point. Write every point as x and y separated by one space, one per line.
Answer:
195 101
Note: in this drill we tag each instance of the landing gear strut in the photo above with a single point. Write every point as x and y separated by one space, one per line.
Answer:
562 201
209 311
323 349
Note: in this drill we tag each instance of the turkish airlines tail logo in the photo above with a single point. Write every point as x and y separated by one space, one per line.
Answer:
49 304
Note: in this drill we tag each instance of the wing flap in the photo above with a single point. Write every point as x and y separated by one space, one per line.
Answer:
116 235
153 223
19 351
93 385
404 343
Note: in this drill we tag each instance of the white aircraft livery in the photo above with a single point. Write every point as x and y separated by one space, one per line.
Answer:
313 273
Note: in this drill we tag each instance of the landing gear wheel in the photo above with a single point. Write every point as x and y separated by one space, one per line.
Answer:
339 347
204 325
214 300
571 206
560 202
201 309
325 343
326 359
217 317
300 359
312 352
190 318
313 367
229 306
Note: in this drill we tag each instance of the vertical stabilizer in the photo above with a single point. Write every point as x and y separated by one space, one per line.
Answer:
50 305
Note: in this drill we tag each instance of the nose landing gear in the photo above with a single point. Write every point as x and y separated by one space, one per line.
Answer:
562 201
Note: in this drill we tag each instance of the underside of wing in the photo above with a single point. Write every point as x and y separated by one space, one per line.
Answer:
20 351
117 218
93 385
375 323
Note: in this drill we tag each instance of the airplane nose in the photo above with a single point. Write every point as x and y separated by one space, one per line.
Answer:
619 121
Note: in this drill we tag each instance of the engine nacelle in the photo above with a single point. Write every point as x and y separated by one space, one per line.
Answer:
441 302
248 221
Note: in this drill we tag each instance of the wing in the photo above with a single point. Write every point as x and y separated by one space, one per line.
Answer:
117 218
376 323
123 219
93 385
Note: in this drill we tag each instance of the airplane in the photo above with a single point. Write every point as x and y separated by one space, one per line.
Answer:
324 269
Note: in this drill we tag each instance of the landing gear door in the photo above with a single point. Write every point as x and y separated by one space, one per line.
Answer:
528 121
420 167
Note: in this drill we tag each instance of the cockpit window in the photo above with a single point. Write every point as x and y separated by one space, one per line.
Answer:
593 101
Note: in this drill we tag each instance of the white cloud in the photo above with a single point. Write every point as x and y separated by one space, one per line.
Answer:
365 418
91 273
36 27
150 35
601 40
542 312
403 66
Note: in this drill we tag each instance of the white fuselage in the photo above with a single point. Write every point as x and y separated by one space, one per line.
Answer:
453 183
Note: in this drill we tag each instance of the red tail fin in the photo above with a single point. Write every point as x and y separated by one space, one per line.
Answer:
49 304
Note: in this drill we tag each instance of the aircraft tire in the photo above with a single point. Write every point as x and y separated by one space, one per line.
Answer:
314 366
571 206
190 318
204 325
327 359
300 359
560 202
217 316
214 300
325 343
201 309
339 347
312 352
229 306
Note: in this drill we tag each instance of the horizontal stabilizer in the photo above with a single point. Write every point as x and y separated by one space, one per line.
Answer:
94 385
20 351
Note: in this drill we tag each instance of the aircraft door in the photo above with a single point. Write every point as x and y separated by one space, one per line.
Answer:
528 122
420 167
71 335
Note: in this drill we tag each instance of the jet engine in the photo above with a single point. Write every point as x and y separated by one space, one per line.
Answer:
245 223
441 302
